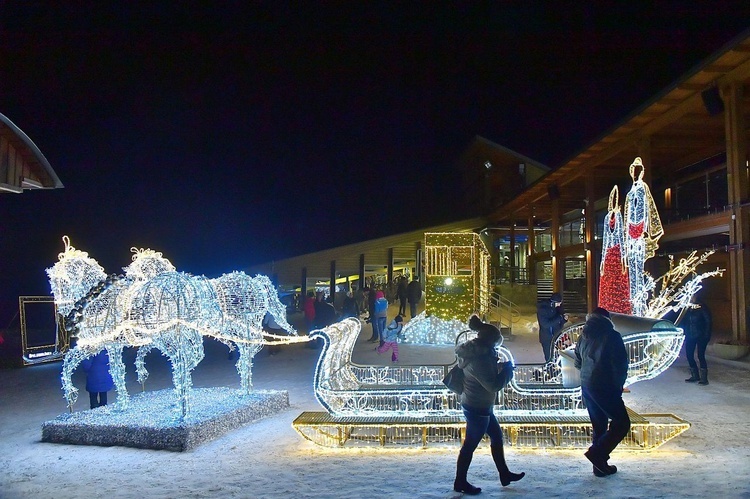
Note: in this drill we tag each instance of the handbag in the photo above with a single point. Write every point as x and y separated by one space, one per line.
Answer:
454 380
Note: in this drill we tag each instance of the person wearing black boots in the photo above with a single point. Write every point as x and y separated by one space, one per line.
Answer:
603 360
697 325
483 377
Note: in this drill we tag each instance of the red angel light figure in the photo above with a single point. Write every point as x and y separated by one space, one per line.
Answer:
642 232
614 289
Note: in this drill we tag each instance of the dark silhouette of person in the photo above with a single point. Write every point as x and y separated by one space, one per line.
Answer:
551 318
401 292
325 315
349 306
603 360
697 326
414 294
483 378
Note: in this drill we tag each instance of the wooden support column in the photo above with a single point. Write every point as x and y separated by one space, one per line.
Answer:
739 199
418 269
303 288
592 269
361 271
512 259
390 265
530 261
557 265
333 281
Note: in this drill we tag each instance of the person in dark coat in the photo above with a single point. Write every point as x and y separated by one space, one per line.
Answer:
483 378
603 361
551 318
349 307
413 295
402 294
98 379
371 299
697 326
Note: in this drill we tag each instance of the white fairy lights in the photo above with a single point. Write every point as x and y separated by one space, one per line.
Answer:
642 232
347 389
154 306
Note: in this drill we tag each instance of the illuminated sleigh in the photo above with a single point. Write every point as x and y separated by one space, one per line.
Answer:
409 405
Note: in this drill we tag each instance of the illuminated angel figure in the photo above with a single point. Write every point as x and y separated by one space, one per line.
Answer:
614 289
642 232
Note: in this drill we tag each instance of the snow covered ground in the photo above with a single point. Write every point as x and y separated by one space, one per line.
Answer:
269 459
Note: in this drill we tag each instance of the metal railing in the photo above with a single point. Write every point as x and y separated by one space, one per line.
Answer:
503 313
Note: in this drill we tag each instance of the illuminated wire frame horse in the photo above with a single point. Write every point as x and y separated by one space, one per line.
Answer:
410 405
155 307
178 309
91 304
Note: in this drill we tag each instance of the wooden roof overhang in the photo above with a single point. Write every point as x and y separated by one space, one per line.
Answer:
22 164
675 127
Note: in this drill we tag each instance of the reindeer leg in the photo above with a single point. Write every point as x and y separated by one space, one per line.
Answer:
140 365
117 370
245 368
72 359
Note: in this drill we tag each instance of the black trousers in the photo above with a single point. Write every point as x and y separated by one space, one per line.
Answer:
691 345
97 399
606 404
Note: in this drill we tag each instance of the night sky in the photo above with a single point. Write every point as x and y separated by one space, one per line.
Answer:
231 134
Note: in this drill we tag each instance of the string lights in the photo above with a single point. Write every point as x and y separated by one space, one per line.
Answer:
409 404
456 275
153 306
614 287
641 234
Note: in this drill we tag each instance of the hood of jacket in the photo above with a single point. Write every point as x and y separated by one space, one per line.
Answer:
467 352
597 325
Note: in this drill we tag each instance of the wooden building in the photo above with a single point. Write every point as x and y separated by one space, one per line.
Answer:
22 164
693 140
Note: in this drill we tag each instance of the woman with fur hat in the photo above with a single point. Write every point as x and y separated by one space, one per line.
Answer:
603 361
483 378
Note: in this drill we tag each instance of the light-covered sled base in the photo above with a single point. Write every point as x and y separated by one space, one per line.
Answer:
573 431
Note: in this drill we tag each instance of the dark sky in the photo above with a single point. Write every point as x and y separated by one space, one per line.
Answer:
230 134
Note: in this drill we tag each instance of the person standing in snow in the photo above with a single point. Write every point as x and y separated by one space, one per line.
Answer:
98 379
483 378
603 360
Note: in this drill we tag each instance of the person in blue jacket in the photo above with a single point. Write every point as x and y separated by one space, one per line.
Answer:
98 379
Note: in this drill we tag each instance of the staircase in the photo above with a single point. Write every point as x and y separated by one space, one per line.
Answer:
573 302
503 313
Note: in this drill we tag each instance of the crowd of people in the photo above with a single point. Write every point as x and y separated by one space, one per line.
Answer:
370 303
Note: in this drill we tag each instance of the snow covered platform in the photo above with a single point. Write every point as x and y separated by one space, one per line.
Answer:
152 420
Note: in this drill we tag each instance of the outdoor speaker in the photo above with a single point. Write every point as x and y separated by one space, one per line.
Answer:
712 101
553 191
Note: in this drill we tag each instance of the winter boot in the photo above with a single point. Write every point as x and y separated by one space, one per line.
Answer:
600 463
462 467
704 377
611 471
506 476
693 376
